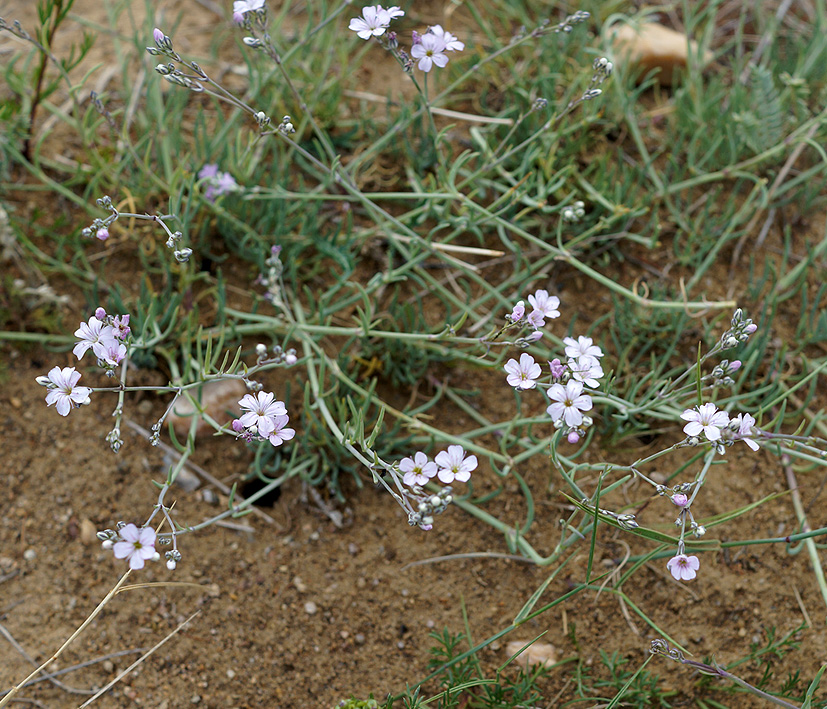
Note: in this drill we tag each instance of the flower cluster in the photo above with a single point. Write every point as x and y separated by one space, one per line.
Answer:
105 335
265 419
429 49
718 428
217 183
448 466
568 380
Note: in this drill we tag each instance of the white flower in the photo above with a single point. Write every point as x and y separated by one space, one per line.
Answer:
63 390
418 470
110 351
569 402
452 44
547 304
261 411
705 418
586 369
429 51
137 545
522 375
453 465
581 346
373 22
394 11
91 334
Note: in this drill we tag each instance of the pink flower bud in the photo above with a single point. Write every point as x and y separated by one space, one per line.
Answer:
534 336
102 233
680 500
157 35
238 18
734 366
557 368
100 313
238 427
573 437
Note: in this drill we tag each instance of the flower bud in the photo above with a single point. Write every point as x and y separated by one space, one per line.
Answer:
102 233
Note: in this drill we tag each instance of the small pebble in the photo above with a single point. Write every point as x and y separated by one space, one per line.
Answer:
108 666
30 555
359 638
310 608
230 674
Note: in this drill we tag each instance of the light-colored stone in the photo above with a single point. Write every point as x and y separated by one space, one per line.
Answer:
538 654
650 46
216 399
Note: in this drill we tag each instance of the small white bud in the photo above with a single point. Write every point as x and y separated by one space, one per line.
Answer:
171 564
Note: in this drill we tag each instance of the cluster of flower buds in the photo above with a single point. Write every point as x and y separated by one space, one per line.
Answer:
427 506
568 24
279 356
163 46
286 127
100 227
574 213
720 373
245 11
739 332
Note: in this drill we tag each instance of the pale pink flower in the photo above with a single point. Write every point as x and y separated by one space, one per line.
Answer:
137 545
430 51
522 375
110 351
261 410
453 465
452 44
558 369
680 500
547 304
281 434
373 22
744 422
91 334
586 369
418 470
569 402
581 346
535 319
707 419
120 325
63 390
683 567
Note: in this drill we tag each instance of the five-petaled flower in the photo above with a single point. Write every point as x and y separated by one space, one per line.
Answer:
64 392
452 44
417 470
373 22
581 346
683 567
522 374
262 409
430 50
707 419
453 465
281 434
569 402
547 304
137 545
586 369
